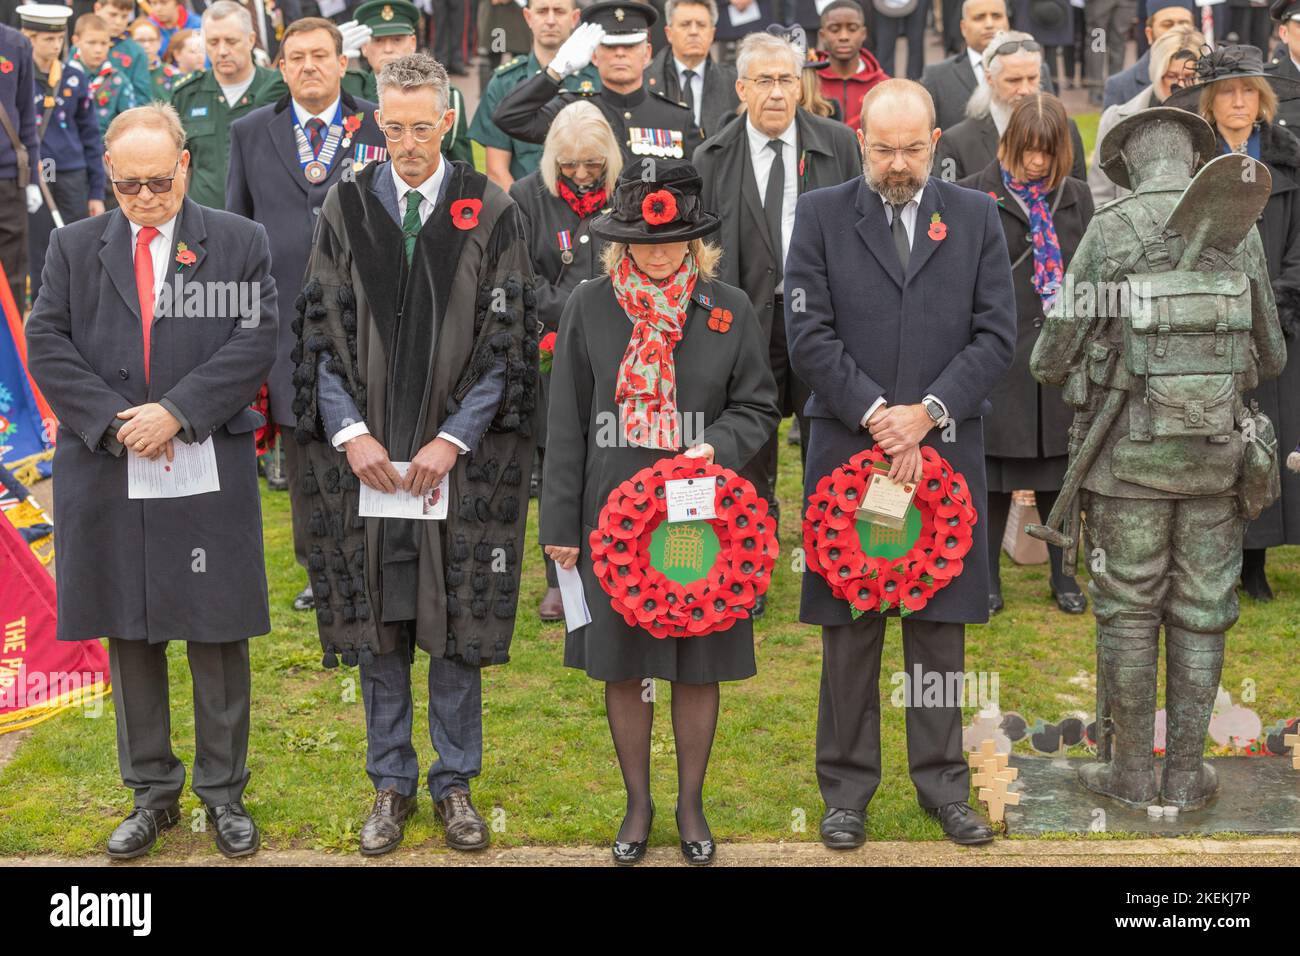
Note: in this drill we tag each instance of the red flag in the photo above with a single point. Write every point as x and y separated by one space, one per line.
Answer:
39 676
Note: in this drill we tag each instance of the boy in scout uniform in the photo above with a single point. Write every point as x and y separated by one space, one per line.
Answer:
109 89
128 56
551 22
72 154
209 101
615 36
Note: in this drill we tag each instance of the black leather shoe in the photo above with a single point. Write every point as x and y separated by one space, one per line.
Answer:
961 823
698 852
760 605
465 828
843 829
995 602
1254 581
235 832
304 600
383 829
631 852
136 835
1071 602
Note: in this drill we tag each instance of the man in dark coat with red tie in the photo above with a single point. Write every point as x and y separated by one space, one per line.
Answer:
900 314
283 160
136 371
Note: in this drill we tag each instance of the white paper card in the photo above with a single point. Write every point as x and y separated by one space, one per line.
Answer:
690 499
403 504
886 502
576 612
192 471
740 17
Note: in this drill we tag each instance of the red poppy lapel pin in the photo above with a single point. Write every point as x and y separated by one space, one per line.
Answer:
803 162
185 256
720 319
464 213
352 123
995 197
938 228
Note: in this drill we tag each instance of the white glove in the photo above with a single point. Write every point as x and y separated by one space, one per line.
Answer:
575 53
34 198
426 6
355 35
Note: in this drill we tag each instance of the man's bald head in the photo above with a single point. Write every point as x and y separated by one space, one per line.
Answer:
898 98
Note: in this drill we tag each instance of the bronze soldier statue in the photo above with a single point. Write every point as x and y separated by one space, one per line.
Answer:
1165 320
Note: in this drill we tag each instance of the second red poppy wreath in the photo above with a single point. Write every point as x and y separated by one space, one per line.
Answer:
631 552
876 568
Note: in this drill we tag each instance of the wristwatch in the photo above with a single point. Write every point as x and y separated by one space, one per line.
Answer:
934 410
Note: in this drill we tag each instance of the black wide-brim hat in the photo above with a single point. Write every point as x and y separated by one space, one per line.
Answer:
1110 154
1232 62
665 190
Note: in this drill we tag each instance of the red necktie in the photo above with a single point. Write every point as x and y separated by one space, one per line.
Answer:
144 286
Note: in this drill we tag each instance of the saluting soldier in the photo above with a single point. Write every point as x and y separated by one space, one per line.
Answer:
613 35
508 159
67 131
208 102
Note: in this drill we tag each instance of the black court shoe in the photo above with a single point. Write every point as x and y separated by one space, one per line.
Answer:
631 852
697 852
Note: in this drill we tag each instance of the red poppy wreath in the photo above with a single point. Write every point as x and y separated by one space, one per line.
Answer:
875 568
624 548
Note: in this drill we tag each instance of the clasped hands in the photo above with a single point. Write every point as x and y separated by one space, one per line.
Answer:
369 461
568 557
898 430
149 430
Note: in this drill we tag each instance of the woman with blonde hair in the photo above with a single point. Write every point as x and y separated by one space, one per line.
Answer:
580 164
1238 97
655 357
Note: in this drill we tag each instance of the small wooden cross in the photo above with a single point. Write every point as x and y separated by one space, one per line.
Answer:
985 776
1293 741
987 754
998 797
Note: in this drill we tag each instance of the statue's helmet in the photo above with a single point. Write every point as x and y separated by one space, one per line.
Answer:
1178 123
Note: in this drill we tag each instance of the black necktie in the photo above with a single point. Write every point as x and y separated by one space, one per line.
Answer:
773 201
688 90
900 235
314 127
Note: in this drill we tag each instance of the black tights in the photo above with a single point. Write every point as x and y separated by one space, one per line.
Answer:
998 508
631 710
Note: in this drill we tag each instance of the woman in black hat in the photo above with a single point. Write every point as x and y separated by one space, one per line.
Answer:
645 367
1239 98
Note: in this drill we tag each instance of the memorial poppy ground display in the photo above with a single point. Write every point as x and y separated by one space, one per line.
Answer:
683 578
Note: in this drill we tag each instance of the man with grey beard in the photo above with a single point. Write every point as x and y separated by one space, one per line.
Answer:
1013 63
901 316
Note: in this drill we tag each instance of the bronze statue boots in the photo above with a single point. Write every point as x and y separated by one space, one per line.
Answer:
1195 662
1127 656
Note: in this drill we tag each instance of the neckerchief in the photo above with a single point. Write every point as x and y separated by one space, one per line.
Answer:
1048 269
583 205
647 380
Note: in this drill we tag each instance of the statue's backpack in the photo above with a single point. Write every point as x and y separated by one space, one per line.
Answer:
1187 352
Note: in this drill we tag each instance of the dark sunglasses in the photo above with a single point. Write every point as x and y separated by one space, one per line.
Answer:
131 187
1013 46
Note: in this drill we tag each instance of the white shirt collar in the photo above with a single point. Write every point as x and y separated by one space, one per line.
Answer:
682 67
428 189
326 115
976 61
166 230
758 140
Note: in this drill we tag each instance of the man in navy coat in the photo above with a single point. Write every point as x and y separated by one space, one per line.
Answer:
283 159
902 331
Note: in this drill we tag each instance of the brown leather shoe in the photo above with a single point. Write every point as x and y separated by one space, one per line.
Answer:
552 606
384 827
465 828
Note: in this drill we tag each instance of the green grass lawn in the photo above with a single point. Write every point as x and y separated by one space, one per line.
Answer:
550 776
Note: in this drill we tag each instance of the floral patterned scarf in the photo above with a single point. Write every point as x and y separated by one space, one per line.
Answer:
647 381
582 204
1048 268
